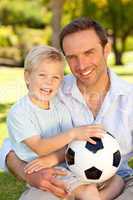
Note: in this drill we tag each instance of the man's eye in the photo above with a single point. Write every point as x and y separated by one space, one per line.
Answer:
41 75
87 53
71 58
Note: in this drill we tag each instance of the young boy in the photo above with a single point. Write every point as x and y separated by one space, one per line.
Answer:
39 124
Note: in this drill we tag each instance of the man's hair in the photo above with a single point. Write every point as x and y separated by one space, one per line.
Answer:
41 52
81 24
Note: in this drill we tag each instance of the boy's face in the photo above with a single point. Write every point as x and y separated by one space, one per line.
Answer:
44 80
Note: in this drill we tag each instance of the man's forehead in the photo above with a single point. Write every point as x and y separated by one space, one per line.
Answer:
80 41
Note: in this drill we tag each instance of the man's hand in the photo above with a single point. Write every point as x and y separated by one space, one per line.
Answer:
46 179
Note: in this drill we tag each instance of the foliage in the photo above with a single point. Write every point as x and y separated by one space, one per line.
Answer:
22 13
10 188
7 36
119 21
20 17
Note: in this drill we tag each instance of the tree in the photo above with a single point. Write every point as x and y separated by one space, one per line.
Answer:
115 15
21 15
57 8
118 15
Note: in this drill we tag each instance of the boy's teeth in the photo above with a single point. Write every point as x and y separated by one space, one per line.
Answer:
47 91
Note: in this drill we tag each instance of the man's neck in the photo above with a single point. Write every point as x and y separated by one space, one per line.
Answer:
94 95
100 87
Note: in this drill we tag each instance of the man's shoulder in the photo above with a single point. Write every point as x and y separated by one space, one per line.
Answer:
126 86
69 78
121 85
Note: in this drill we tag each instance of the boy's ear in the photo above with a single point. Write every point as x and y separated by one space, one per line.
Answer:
26 77
107 49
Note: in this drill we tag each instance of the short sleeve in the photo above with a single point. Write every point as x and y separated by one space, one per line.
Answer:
5 149
22 124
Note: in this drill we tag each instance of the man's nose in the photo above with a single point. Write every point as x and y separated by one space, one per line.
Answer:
81 63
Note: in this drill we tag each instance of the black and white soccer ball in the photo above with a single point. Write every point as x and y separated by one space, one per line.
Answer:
94 163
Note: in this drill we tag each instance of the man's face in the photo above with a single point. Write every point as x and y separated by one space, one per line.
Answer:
44 80
86 56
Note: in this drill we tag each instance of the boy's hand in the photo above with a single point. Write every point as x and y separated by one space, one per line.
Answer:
46 180
88 132
38 164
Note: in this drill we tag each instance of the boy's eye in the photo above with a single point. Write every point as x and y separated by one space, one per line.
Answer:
56 77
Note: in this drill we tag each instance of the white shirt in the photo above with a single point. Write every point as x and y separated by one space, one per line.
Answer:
116 113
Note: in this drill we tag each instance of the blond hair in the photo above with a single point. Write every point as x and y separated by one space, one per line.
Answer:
38 53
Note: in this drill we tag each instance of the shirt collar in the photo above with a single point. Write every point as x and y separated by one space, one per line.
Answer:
70 88
118 86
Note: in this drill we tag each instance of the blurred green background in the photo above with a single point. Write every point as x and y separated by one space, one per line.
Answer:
26 23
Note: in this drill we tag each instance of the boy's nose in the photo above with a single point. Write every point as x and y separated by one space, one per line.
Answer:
48 81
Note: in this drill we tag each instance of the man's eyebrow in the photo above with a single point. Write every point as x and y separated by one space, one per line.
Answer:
70 55
86 51
89 50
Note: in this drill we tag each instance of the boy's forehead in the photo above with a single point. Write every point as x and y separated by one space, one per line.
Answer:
49 66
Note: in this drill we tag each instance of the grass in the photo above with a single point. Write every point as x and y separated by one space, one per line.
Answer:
10 188
12 87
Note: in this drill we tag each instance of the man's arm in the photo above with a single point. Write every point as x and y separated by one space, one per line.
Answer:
44 179
15 165
113 188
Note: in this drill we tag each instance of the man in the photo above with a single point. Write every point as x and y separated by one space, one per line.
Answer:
94 95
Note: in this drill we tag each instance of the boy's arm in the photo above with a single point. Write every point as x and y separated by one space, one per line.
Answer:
45 146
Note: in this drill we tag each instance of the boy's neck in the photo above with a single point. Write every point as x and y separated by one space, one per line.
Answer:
43 105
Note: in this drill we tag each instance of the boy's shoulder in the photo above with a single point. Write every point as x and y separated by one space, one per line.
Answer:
20 106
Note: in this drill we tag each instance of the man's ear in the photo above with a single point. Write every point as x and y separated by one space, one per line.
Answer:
107 49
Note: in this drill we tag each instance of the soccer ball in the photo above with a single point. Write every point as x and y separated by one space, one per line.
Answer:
94 163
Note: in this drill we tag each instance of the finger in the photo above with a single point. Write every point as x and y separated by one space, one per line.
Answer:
96 133
96 126
31 168
90 140
56 193
32 163
60 192
59 185
34 169
59 172
99 125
